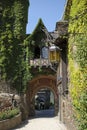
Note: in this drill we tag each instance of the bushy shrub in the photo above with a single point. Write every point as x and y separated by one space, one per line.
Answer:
9 114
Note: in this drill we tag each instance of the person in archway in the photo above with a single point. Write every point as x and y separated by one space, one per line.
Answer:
42 105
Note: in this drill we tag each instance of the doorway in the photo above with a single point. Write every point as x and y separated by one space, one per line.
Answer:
44 103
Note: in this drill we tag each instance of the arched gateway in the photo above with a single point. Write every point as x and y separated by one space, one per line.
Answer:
35 85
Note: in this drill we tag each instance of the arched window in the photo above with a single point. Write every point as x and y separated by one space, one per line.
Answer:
44 52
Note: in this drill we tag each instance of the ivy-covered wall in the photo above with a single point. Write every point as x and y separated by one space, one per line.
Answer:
77 57
13 20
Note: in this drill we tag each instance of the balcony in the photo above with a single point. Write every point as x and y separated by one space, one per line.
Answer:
39 62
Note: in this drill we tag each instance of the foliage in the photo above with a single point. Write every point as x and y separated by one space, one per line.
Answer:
9 114
12 50
67 9
78 60
20 15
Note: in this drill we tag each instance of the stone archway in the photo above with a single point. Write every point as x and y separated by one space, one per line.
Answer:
39 83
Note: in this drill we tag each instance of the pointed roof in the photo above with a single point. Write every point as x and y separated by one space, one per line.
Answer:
40 32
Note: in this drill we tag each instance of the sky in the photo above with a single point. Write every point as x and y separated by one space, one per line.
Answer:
50 11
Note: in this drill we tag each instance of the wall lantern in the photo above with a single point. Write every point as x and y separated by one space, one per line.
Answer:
54 54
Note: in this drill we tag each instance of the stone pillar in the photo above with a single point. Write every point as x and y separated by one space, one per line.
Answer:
32 108
23 107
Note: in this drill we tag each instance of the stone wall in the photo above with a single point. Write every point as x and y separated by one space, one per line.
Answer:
67 113
62 27
10 123
5 87
9 101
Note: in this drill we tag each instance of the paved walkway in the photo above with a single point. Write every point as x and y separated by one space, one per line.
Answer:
44 120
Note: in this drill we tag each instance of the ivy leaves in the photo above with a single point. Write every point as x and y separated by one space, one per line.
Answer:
78 60
82 51
12 51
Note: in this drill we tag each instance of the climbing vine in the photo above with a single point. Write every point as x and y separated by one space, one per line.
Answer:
12 50
78 60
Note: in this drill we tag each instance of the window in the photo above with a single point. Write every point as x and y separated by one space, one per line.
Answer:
37 52
44 52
